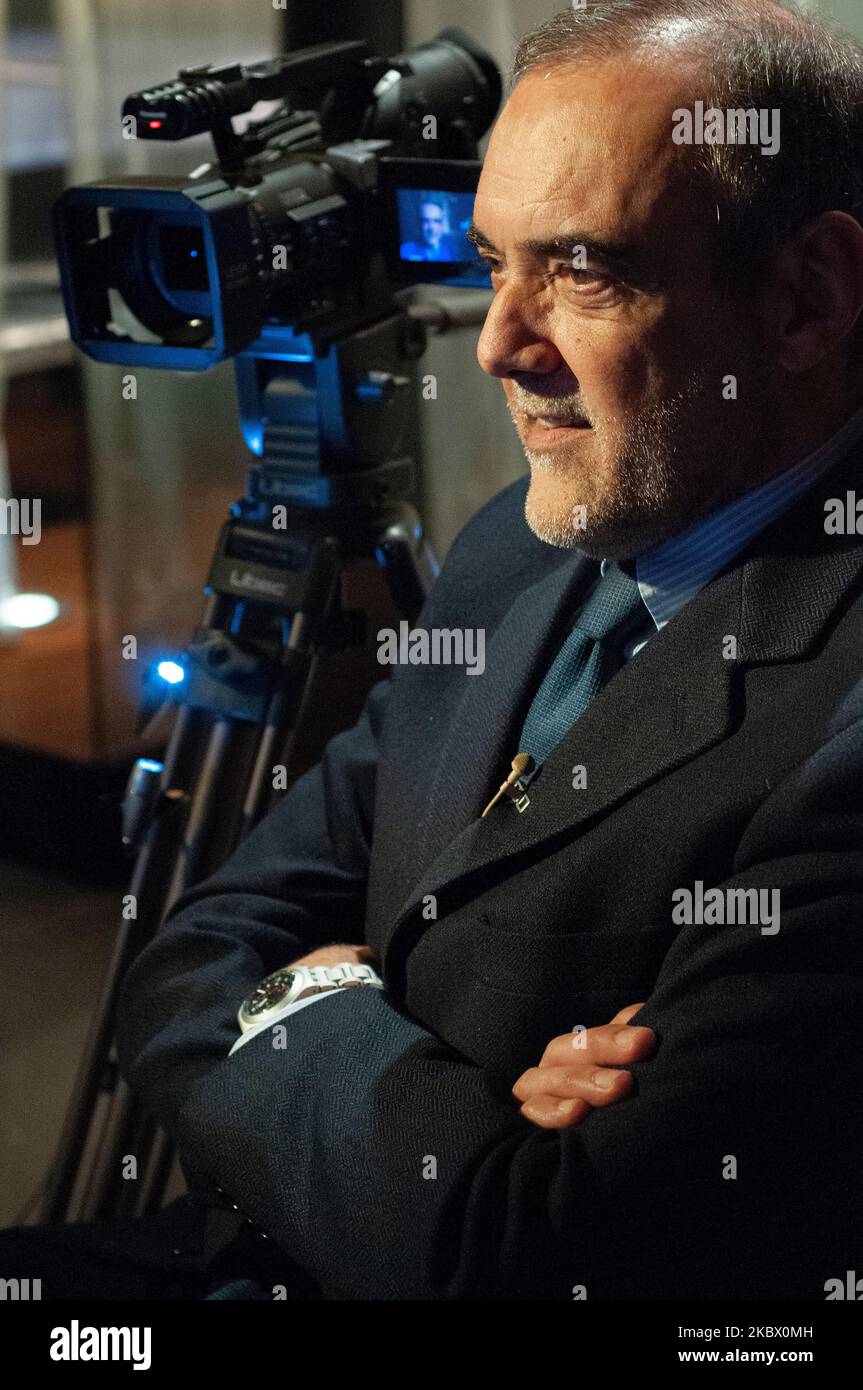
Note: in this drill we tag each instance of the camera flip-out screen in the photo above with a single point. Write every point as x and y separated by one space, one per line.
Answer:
429 206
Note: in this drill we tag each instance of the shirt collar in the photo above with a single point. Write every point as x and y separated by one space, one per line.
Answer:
671 574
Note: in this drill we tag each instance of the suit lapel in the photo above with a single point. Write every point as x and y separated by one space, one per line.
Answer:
665 706
478 747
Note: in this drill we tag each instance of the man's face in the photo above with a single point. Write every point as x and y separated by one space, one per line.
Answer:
432 223
625 339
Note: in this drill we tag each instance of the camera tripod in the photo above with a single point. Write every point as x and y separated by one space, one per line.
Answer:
328 490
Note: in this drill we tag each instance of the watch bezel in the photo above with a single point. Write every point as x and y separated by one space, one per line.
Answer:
249 1019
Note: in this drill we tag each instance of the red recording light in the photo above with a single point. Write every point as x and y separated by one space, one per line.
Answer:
155 125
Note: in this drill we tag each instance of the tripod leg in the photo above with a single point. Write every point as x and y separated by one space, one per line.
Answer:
297 670
161 872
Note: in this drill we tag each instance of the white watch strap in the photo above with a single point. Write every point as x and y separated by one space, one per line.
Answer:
339 974
346 970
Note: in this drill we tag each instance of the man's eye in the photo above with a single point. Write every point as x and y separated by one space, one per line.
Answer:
587 281
580 282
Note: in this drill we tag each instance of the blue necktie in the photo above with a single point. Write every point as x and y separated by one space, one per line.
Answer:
584 663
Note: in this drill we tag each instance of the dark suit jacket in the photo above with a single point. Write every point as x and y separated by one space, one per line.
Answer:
739 773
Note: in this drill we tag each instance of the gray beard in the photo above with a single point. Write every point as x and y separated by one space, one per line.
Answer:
667 475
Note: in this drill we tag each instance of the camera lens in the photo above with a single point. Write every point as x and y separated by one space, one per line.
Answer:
184 263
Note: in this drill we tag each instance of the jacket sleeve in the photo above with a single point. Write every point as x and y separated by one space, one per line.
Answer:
389 1167
296 882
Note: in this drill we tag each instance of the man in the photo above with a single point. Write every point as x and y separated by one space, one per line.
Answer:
437 243
668 894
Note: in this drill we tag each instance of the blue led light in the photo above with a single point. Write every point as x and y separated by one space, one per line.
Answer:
171 671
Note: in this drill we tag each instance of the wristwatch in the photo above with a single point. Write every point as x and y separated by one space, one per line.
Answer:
295 982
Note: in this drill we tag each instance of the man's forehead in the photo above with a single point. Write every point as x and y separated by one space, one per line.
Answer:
590 143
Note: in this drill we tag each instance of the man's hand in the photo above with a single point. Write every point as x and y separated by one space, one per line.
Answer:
337 955
582 1069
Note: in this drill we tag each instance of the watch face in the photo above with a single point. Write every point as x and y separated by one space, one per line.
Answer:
269 993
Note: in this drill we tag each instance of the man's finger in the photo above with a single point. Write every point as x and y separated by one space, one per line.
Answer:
609 1044
597 1085
626 1014
550 1112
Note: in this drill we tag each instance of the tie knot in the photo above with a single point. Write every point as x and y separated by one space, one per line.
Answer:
613 602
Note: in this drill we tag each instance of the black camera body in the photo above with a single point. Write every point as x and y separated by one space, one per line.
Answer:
312 219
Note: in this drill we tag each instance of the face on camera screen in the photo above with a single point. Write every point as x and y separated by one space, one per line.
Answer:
433 225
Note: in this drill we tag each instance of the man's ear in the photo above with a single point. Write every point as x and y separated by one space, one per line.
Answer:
817 289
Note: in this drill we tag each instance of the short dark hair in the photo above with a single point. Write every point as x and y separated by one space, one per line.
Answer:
753 53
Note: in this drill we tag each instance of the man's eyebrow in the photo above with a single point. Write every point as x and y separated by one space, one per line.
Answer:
614 255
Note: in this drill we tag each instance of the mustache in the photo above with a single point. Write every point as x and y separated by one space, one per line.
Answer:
569 405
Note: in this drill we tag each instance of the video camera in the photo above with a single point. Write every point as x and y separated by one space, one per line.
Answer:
359 184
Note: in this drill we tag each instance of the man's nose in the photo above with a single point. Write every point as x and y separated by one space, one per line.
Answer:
509 344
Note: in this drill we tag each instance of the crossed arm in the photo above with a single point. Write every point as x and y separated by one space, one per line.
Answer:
388 1166
577 1070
